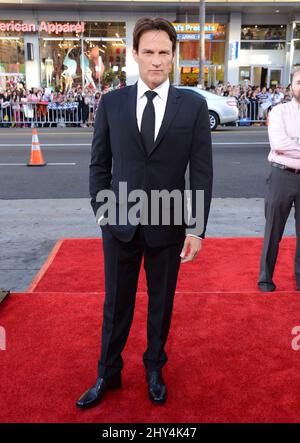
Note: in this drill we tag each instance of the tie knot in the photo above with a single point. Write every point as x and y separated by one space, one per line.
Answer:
150 95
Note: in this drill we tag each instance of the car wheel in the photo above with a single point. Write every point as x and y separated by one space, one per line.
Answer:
214 120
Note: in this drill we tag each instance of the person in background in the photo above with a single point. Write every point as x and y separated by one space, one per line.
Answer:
283 184
96 102
16 107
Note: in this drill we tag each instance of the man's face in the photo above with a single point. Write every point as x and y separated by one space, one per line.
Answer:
296 86
154 57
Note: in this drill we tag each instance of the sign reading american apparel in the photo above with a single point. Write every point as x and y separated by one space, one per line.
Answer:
48 27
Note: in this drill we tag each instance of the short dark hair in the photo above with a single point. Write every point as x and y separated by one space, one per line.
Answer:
145 24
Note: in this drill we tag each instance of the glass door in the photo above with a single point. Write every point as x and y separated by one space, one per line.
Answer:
259 76
274 77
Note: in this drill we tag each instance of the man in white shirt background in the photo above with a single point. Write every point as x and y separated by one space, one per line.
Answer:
283 184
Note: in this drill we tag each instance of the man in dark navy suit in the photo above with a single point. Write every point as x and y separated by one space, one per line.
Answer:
145 137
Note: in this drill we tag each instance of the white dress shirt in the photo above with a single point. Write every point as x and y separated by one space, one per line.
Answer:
159 103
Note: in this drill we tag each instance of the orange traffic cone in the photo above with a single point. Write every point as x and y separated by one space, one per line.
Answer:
36 156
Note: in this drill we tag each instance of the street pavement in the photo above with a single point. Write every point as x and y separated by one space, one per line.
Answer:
38 206
240 163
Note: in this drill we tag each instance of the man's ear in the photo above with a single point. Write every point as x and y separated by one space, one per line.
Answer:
135 55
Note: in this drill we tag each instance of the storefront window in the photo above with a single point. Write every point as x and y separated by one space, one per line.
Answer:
296 58
214 62
105 29
297 45
296 33
60 63
189 37
261 37
103 61
12 62
263 45
263 32
244 74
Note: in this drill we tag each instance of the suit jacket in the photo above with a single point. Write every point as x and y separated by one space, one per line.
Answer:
118 155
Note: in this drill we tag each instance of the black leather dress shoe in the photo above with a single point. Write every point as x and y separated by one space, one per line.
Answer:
94 395
266 287
156 387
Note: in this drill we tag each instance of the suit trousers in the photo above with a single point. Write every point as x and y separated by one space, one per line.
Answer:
122 262
282 192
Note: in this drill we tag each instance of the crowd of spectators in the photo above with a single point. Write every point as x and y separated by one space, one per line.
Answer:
20 107
254 102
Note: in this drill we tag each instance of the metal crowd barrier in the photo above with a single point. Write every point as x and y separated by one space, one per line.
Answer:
70 114
253 111
44 114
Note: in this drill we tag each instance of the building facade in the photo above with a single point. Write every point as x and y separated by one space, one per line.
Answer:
57 44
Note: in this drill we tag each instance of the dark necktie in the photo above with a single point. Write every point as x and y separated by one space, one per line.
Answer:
148 122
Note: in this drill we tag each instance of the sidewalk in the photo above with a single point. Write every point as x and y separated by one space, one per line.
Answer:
30 229
91 129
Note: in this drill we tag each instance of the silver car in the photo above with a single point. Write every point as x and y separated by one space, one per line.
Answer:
221 109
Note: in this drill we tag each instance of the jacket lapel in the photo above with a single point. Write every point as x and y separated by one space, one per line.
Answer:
172 106
132 116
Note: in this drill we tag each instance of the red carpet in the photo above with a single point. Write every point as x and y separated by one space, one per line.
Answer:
230 360
224 265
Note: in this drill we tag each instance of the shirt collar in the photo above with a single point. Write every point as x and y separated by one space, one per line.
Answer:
162 90
295 103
